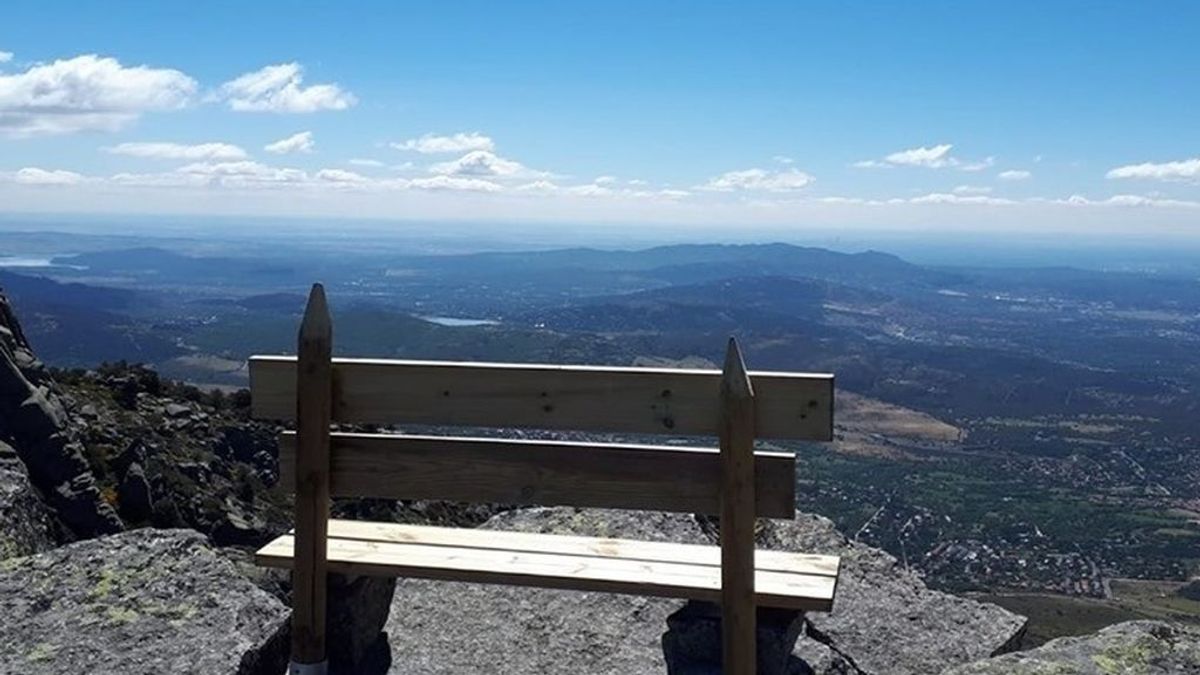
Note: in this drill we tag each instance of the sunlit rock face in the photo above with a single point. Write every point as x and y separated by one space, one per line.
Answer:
34 423
1145 647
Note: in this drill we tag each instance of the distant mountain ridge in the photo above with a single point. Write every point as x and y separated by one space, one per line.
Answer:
731 304
74 324
167 264
40 290
682 263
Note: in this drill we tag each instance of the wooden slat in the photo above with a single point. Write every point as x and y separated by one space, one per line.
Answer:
624 400
313 408
738 615
487 470
545 570
630 549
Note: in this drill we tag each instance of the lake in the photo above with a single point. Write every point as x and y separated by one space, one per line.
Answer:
456 321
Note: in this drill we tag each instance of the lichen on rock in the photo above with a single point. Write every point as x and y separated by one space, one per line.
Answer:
1132 648
139 602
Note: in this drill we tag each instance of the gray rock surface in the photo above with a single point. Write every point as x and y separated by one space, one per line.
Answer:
466 629
143 601
26 525
34 422
884 620
1134 647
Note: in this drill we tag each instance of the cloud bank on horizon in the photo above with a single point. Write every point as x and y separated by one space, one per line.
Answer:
85 131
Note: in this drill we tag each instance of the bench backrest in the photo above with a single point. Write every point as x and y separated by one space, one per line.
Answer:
516 396
733 480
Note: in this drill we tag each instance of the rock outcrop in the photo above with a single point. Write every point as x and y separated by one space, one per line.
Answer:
140 602
34 422
884 621
1141 647
171 455
26 525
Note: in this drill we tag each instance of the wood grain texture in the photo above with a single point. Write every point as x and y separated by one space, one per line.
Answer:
313 407
612 574
630 400
562 544
487 470
738 613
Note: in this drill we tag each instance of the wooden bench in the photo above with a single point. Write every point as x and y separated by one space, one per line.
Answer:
733 480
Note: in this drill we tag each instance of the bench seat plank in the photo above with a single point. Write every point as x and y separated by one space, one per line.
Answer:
565 544
785 580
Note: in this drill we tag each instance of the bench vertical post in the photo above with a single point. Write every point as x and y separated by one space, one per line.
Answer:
314 408
737 516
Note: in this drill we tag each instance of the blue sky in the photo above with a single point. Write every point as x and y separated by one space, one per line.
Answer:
1072 116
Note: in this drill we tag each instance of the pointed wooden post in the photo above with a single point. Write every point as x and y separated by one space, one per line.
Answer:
314 409
737 516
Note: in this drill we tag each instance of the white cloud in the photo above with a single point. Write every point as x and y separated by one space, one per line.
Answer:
171 179
248 175
279 89
242 174
971 198
453 183
539 186
481 163
759 180
952 198
1128 201
1183 170
972 190
358 161
86 93
432 144
1014 175
961 195
301 142
342 177
671 193
35 176
590 190
333 190
932 157
5 57
217 151
603 187
841 200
